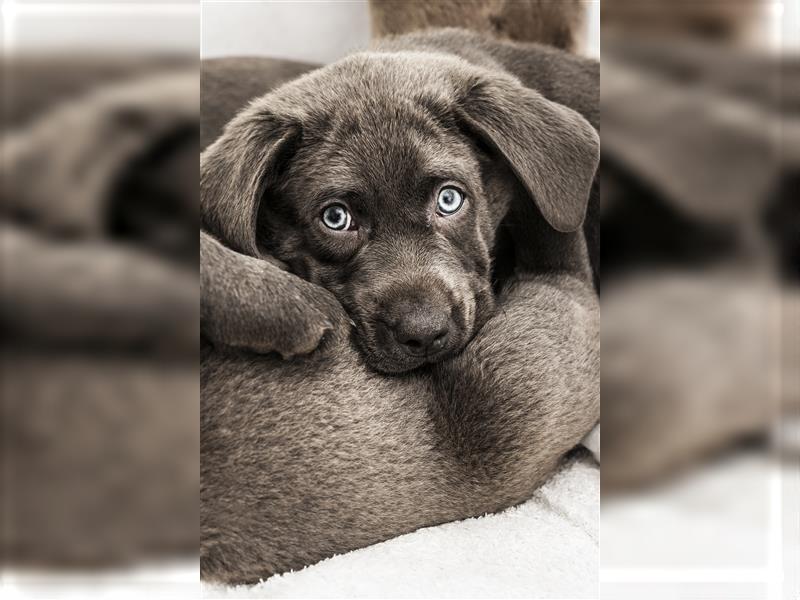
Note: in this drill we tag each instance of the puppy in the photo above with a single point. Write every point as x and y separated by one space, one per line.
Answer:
382 181
379 198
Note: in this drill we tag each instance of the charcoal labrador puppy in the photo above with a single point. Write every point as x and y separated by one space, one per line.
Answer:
398 237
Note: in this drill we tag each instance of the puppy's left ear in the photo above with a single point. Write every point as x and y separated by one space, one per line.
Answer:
553 151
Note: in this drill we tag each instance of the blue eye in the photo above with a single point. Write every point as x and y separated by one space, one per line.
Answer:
450 201
337 217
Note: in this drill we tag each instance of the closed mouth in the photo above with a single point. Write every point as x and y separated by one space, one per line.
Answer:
438 355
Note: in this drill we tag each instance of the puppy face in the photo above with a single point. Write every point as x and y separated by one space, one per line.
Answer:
376 177
385 206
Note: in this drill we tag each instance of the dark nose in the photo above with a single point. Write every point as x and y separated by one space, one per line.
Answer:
422 330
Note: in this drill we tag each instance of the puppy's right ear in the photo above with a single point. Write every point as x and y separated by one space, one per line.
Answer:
237 169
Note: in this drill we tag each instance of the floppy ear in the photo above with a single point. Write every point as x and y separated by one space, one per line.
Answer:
236 170
552 150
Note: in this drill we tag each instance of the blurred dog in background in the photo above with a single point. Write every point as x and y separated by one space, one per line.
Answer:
700 245
98 309
556 24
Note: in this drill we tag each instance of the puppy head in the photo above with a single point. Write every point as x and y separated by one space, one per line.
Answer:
375 177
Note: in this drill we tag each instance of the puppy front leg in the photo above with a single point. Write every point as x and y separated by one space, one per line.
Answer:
253 304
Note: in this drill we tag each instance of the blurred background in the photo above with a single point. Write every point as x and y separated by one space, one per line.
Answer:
328 30
700 267
99 298
98 287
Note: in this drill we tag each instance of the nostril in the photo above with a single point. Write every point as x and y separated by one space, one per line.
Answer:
422 336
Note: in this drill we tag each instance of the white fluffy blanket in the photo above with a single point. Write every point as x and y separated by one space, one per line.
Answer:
544 548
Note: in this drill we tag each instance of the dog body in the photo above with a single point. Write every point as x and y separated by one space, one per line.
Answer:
309 458
321 454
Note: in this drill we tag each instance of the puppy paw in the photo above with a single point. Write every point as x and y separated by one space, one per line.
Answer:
321 324
257 306
297 322
304 340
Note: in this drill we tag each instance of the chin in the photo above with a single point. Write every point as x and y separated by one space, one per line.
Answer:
392 361
390 365
383 355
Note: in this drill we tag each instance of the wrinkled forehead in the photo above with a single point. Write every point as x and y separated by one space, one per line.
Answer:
380 122
388 147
